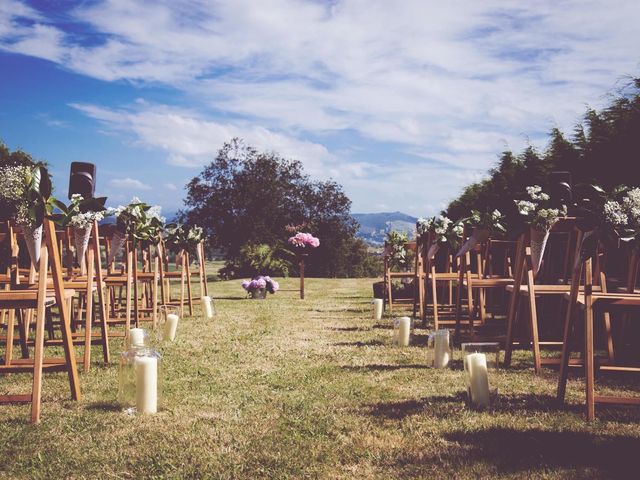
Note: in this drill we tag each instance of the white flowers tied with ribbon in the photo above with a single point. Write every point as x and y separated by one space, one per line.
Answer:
541 218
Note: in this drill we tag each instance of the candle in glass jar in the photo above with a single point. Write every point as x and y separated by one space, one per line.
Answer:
404 331
207 306
441 349
146 384
170 326
136 337
478 379
377 308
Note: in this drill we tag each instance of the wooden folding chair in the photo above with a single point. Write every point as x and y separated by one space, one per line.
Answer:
200 271
528 288
443 276
40 298
494 271
181 273
145 285
590 303
389 276
118 284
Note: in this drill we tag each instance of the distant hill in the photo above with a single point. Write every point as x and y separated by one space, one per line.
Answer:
374 226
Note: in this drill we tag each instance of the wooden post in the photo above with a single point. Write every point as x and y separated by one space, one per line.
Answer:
302 255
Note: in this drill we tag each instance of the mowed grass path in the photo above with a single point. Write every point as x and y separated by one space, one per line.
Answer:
285 388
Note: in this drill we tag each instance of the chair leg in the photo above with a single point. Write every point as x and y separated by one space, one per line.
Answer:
38 355
589 362
10 329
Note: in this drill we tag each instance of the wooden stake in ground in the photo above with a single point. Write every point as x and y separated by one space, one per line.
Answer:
301 264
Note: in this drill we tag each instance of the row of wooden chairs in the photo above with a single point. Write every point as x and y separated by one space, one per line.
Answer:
54 304
493 293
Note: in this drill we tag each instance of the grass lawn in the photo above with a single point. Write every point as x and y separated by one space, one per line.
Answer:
285 388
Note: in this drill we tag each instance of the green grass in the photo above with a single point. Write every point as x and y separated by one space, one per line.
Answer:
285 388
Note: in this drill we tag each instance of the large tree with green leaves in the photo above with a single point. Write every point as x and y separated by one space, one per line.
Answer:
604 149
245 199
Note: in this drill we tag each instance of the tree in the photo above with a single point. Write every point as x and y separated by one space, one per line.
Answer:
603 150
245 199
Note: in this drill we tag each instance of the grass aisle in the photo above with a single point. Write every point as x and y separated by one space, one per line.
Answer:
285 388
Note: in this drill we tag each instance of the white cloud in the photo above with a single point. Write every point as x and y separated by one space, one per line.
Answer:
452 82
128 183
192 141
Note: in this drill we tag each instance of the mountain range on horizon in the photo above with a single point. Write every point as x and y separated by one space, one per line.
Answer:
373 226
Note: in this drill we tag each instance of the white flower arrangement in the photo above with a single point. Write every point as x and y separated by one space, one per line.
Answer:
13 191
539 216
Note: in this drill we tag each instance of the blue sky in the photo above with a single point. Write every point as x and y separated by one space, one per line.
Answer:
403 103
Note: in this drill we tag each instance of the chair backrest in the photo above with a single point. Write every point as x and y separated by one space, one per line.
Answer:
498 258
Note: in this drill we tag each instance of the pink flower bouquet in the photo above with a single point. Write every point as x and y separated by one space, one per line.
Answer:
304 240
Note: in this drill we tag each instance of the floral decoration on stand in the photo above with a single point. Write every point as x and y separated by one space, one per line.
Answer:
136 221
80 215
180 238
613 218
260 285
484 225
25 198
443 230
304 241
540 216
396 250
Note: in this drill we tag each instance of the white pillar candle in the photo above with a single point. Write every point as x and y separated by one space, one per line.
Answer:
377 308
136 337
146 384
170 326
404 331
479 379
207 306
441 352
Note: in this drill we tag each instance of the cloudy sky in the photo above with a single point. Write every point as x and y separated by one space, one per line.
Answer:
403 102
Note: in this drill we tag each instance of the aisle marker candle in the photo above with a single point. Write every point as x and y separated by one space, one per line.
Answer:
404 331
170 326
136 337
146 384
377 308
207 306
478 379
441 349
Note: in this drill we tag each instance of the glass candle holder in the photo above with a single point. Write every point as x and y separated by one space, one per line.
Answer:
137 338
168 319
402 331
491 349
208 309
439 349
491 352
378 306
139 380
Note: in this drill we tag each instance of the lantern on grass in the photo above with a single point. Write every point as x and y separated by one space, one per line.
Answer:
168 326
378 305
208 309
402 331
140 385
439 349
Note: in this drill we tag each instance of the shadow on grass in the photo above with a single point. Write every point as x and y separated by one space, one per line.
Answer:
440 406
350 329
385 326
229 298
369 343
105 406
380 367
513 451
